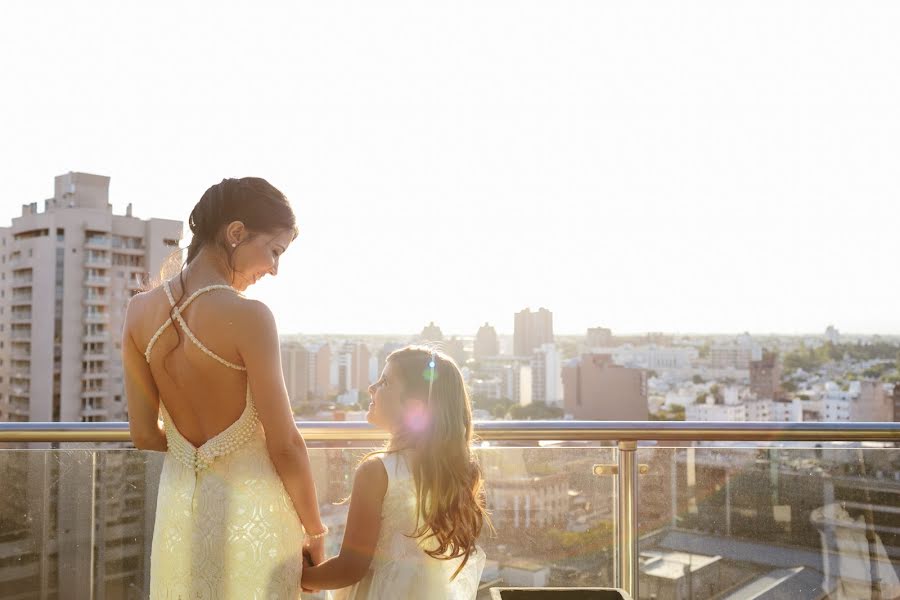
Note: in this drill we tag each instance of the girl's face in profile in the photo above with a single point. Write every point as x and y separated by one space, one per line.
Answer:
258 256
386 408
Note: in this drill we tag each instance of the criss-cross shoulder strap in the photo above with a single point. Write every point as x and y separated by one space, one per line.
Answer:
176 311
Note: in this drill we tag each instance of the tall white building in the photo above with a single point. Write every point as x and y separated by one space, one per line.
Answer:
68 272
546 375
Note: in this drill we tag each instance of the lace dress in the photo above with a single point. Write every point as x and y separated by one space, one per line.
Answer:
225 526
401 570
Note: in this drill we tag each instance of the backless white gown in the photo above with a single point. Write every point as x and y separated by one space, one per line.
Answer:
225 526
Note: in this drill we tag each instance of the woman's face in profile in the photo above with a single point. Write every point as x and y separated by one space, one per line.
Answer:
258 256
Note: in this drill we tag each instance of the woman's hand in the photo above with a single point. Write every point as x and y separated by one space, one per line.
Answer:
316 550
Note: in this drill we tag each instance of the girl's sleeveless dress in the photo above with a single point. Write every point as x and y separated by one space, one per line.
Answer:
401 570
225 526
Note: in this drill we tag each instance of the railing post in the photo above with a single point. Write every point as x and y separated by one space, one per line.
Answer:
626 521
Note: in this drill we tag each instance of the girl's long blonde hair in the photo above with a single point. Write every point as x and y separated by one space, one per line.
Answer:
449 483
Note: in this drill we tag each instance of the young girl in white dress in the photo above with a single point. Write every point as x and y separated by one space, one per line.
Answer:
417 507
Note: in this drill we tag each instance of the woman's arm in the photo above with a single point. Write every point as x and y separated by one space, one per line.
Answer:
361 535
260 350
140 389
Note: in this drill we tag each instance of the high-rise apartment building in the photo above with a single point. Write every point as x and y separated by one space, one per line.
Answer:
546 375
68 274
486 342
353 367
595 388
306 370
532 330
295 366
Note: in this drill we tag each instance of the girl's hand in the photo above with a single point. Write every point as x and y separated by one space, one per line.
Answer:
315 549
304 586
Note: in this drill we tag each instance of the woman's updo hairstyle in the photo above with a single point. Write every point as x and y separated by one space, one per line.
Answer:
255 202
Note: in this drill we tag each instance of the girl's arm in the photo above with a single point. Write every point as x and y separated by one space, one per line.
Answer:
363 524
260 349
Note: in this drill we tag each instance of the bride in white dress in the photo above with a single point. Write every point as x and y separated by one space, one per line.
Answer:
236 492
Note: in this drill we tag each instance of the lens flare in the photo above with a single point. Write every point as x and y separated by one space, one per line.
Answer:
430 374
416 418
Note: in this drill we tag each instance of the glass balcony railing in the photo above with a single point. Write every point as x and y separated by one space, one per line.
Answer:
665 510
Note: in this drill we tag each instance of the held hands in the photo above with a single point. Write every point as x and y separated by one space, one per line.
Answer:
314 551
313 554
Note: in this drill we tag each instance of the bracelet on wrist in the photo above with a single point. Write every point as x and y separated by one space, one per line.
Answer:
317 536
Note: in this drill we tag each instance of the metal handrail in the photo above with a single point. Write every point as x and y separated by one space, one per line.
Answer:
625 433
612 431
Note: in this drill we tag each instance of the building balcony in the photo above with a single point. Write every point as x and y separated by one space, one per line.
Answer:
662 509
129 251
95 374
94 412
97 262
97 318
97 281
95 355
20 355
97 243
20 336
91 338
93 394
20 317
95 300
15 408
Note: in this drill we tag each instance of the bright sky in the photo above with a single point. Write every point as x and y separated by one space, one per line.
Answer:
708 166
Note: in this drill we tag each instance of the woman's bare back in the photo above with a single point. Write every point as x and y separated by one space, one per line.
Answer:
202 395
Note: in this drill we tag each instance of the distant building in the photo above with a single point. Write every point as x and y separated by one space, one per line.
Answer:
431 333
295 366
386 351
735 355
68 273
546 375
670 575
872 404
523 573
486 342
896 397
833 335
66 276
710 410
455 349
353 367
765 376
306 371
654 357
532 330
528 501
599 337
514 374
595 388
